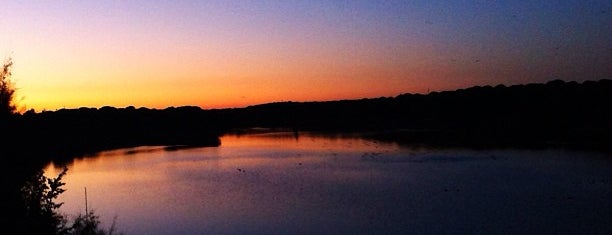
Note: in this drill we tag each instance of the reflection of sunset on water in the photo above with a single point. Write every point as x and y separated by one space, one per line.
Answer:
312 184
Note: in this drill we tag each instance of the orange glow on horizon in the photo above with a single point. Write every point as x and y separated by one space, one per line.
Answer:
219 54
208 84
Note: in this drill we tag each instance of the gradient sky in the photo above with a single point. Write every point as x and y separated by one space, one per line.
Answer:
217 54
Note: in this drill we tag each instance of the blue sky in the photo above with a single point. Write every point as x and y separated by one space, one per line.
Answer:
236 53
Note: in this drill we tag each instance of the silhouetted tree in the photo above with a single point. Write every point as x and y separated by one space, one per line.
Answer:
6 90
40 209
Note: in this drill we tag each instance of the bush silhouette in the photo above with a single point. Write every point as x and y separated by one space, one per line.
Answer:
40 211
39 208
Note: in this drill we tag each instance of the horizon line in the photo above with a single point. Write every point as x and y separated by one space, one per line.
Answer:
23 111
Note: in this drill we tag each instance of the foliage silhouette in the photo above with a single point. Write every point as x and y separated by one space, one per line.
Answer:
7 91
40 213
89 224
40 210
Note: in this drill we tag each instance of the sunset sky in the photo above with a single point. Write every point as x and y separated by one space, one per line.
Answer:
218 54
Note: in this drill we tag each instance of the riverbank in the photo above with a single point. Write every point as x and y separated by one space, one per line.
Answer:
556 113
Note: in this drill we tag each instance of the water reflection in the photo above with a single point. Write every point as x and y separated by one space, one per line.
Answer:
274 183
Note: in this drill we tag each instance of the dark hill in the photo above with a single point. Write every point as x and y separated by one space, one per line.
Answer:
557 113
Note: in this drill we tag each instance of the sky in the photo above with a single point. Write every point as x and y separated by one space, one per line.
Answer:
223 54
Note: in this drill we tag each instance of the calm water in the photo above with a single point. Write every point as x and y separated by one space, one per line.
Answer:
276 183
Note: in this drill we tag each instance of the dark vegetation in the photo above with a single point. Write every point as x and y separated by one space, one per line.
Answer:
557 113
28 197
70 132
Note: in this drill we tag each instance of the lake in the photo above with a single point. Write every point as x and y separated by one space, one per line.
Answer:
282 183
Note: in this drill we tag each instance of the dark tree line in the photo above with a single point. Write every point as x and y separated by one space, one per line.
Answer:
69 132
557 113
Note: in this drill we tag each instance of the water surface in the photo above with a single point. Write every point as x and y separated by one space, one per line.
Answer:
280 183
